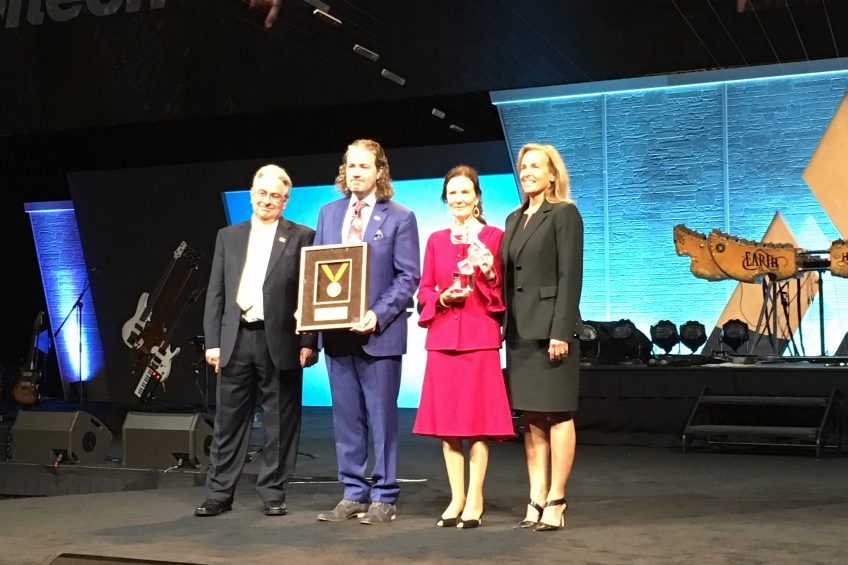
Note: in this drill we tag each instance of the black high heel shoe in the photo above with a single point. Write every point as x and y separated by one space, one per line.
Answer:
543 527
530 523
469 524
447 522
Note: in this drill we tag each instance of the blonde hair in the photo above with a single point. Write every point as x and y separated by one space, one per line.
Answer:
559 190
384 191
273 171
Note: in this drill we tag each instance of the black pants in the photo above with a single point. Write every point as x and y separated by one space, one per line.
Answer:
249 372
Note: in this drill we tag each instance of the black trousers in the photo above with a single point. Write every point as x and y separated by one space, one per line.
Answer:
249 374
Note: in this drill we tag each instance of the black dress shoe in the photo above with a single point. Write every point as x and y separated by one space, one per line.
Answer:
213 507
275 508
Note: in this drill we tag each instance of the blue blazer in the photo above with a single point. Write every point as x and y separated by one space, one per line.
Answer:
394 272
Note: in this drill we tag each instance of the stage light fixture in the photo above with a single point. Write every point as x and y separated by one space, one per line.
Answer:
330 19
664 335
632 343
734 333
590 343
623 329
365 52
693 335
395 78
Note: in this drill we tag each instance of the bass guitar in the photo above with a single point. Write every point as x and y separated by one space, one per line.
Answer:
25 390
133 329
156 367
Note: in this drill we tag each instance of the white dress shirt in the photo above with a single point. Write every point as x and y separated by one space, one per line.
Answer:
249 297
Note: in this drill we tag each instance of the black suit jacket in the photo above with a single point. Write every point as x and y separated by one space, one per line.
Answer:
544 281
222 314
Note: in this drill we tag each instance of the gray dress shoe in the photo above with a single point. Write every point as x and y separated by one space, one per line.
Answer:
275 508
344 510
212 507
379 513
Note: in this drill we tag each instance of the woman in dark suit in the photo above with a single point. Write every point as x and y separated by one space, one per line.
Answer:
542 260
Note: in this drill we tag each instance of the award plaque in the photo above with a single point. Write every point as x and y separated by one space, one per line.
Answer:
333 286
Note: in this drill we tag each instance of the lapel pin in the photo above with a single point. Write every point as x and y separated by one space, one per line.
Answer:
281 239
377 218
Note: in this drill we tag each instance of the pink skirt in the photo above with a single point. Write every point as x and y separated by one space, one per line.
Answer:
464 395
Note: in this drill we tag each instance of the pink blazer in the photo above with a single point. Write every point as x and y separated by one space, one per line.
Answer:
476 323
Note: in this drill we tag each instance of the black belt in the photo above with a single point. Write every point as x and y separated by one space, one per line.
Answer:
257 325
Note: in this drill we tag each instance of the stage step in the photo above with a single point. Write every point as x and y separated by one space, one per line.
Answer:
738 420
766 431
812 401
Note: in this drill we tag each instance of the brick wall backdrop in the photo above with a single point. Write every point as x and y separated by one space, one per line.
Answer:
724 155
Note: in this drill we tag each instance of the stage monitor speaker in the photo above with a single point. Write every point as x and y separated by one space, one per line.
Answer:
161 441
59 437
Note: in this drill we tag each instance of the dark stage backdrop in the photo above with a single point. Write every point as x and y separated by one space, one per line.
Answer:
131 220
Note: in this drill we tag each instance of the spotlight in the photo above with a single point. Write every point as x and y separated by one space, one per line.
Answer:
588 333
734 333
633 344
624 329
664 334
693 335
590 346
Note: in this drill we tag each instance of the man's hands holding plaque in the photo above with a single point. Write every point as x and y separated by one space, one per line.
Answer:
367 324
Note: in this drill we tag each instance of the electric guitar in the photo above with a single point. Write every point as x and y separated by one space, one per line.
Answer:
132 330
25 390
156 367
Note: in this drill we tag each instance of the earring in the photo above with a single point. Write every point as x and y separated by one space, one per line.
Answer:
476 211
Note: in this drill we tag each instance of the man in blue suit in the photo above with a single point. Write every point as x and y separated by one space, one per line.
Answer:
364 364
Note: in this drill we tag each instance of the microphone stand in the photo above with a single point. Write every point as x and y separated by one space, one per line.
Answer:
78 305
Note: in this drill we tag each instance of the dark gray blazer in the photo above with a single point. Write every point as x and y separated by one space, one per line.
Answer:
545 279
222 314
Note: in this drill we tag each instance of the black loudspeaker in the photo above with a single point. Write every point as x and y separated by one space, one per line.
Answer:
59 437
161 441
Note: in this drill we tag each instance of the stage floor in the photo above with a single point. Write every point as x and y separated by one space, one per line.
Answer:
627 505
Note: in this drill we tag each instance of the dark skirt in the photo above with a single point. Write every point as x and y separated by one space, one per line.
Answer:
537 384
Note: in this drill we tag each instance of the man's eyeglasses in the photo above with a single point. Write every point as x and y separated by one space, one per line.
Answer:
273 196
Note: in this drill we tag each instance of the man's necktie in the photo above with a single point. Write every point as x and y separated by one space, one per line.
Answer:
354 234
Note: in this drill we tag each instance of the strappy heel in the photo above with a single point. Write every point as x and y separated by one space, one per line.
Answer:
543 527
523 524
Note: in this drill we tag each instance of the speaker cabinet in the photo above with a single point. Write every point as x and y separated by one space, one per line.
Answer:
59 437
161 441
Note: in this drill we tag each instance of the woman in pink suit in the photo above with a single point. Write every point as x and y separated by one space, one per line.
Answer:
463 395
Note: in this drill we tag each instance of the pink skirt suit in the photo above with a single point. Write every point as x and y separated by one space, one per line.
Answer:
463 393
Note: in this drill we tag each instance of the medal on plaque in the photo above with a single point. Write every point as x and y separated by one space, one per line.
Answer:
334 289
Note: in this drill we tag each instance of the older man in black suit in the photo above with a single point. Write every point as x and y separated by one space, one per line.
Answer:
250 335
